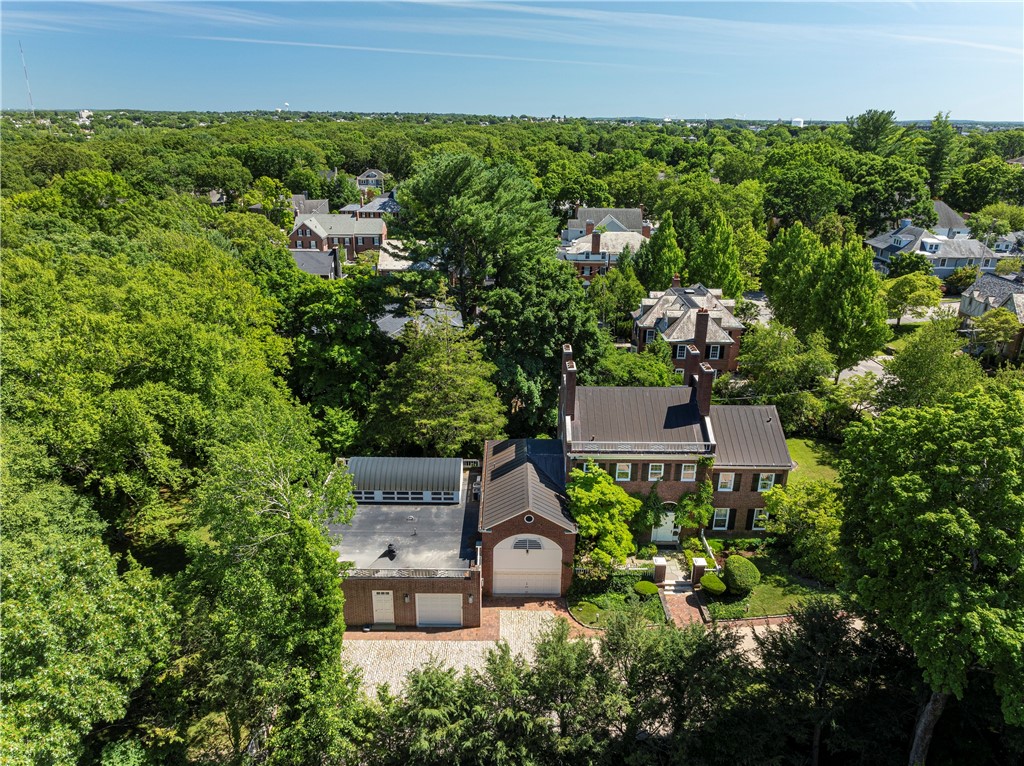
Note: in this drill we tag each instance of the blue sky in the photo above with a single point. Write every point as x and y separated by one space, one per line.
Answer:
816 60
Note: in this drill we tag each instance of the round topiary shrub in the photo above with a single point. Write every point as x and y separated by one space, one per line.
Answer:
713 584
646 589
741 575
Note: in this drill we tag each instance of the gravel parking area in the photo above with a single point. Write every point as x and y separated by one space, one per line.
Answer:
389 662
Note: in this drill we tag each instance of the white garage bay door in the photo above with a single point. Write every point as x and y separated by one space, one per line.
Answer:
439 610
527 565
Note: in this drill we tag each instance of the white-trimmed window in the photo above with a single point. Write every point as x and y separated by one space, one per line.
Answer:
942 263
714 352
725 482
376 240
680 351
623 471
649 336
760 517
689 472
655 471
765 482
721 520
359 241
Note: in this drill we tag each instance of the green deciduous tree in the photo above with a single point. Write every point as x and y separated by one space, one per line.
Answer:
996 328
438 399
931 540
805 518
930 369
651 367
602 511
914 293
714 260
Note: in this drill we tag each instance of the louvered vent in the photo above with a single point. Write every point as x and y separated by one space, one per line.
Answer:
527 544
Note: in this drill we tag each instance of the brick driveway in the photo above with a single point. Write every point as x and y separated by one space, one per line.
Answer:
387 657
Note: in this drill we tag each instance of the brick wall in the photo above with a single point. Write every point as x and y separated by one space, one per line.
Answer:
518 526
359 597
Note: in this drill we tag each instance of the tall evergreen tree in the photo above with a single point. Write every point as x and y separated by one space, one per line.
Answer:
943 153
659 258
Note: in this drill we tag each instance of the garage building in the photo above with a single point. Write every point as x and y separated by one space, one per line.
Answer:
528 537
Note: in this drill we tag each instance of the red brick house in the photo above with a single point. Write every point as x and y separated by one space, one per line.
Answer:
690 316
344 233
676 437
528 539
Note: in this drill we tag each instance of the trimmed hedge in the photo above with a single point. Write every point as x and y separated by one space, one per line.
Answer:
713 584
741 575
646 589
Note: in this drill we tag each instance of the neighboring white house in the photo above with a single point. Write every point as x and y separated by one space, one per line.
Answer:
608 219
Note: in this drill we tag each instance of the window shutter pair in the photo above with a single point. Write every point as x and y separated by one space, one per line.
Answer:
750 518
732 519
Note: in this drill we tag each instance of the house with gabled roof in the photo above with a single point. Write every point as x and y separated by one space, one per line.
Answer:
344 233
528 537
597 252
989 292
690 316
946 254
370 179
675 439
610 219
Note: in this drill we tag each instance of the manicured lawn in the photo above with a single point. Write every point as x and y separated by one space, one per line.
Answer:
779 592
814 458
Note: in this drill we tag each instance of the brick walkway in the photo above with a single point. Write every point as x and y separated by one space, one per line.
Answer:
682 607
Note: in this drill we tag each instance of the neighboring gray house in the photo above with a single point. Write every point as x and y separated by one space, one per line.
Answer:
318 263
303 205
394 321
950 223
946 254
370 179
992 292
1009 244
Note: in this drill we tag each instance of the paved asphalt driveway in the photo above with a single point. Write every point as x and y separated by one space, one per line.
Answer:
389 662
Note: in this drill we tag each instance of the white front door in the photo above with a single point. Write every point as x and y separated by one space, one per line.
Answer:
384 607
439 609
667 531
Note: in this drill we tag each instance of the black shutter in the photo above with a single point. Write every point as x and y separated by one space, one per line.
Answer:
753 486
732 519
778 479
750 518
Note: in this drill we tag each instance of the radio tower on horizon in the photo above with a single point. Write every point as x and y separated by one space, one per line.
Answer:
24 67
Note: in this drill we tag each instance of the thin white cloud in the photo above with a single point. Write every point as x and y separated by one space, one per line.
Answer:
414 52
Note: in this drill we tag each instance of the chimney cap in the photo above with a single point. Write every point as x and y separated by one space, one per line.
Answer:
567 349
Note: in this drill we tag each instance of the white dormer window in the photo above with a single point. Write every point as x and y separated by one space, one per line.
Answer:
898 241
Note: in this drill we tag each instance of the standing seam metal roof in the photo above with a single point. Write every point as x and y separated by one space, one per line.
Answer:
749 436
414 474
636 414
523 475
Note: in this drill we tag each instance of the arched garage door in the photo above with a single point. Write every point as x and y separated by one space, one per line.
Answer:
527 565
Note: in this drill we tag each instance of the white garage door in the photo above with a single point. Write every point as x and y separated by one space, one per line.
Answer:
527 565
438 610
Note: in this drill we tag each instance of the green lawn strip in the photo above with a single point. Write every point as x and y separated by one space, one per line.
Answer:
814 460
591 610
778 593
901 335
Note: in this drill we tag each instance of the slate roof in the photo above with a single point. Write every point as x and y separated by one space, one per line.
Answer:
948 217
884 243
630 217
636 414
523 475
749 436
962 248
673 313
993 289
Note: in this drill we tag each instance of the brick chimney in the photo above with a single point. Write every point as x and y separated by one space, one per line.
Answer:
590 227
702 382
595 242
692 363
568 392
645 230
675 281
700 331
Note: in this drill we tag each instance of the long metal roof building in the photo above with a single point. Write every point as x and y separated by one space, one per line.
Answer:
406 479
